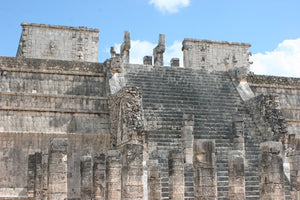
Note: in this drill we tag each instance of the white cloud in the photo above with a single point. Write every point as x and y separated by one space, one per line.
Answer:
139 49
174 51
283 61
169 6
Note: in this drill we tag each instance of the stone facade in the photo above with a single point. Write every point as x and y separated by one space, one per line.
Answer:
85 130
214 55
58 42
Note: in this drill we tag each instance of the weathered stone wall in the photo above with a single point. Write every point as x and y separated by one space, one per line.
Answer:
271 169
214 55
58 42
288 92
43 99
265 108
126 116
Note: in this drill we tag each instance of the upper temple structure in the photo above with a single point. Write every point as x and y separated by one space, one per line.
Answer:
72 128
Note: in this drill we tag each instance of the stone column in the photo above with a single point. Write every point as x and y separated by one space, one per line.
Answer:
158 51
295 170
113 175
187 57
187 137
35 176
236 175
176 175
132 171
271 168
86 177
45 160
38 192
125 47
154 182
31 175
147 60
99 177
205 175
238 133
57 171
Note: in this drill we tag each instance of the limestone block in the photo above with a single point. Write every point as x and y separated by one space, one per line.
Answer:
271 147
154 182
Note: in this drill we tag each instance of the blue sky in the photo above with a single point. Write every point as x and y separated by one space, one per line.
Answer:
271 26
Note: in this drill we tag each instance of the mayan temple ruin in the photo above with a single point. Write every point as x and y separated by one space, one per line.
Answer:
72 128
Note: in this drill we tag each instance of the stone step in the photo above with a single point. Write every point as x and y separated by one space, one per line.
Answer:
252 197
149 96
222 183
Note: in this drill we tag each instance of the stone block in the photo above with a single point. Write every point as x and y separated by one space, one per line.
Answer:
147 60
174 62
271 147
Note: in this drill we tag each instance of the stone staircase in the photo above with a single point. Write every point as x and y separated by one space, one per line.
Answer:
168 93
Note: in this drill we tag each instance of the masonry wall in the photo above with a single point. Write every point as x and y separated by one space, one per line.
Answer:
214 55
58 42
288 92
41 100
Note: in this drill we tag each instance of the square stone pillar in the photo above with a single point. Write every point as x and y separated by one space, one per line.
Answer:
176 175
187 137
295 170
238 133
45 160
154 182
132 171
188 181
236 175
205 174
113 175
271 168
99 177
31 175
38 192
86 170
57 171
